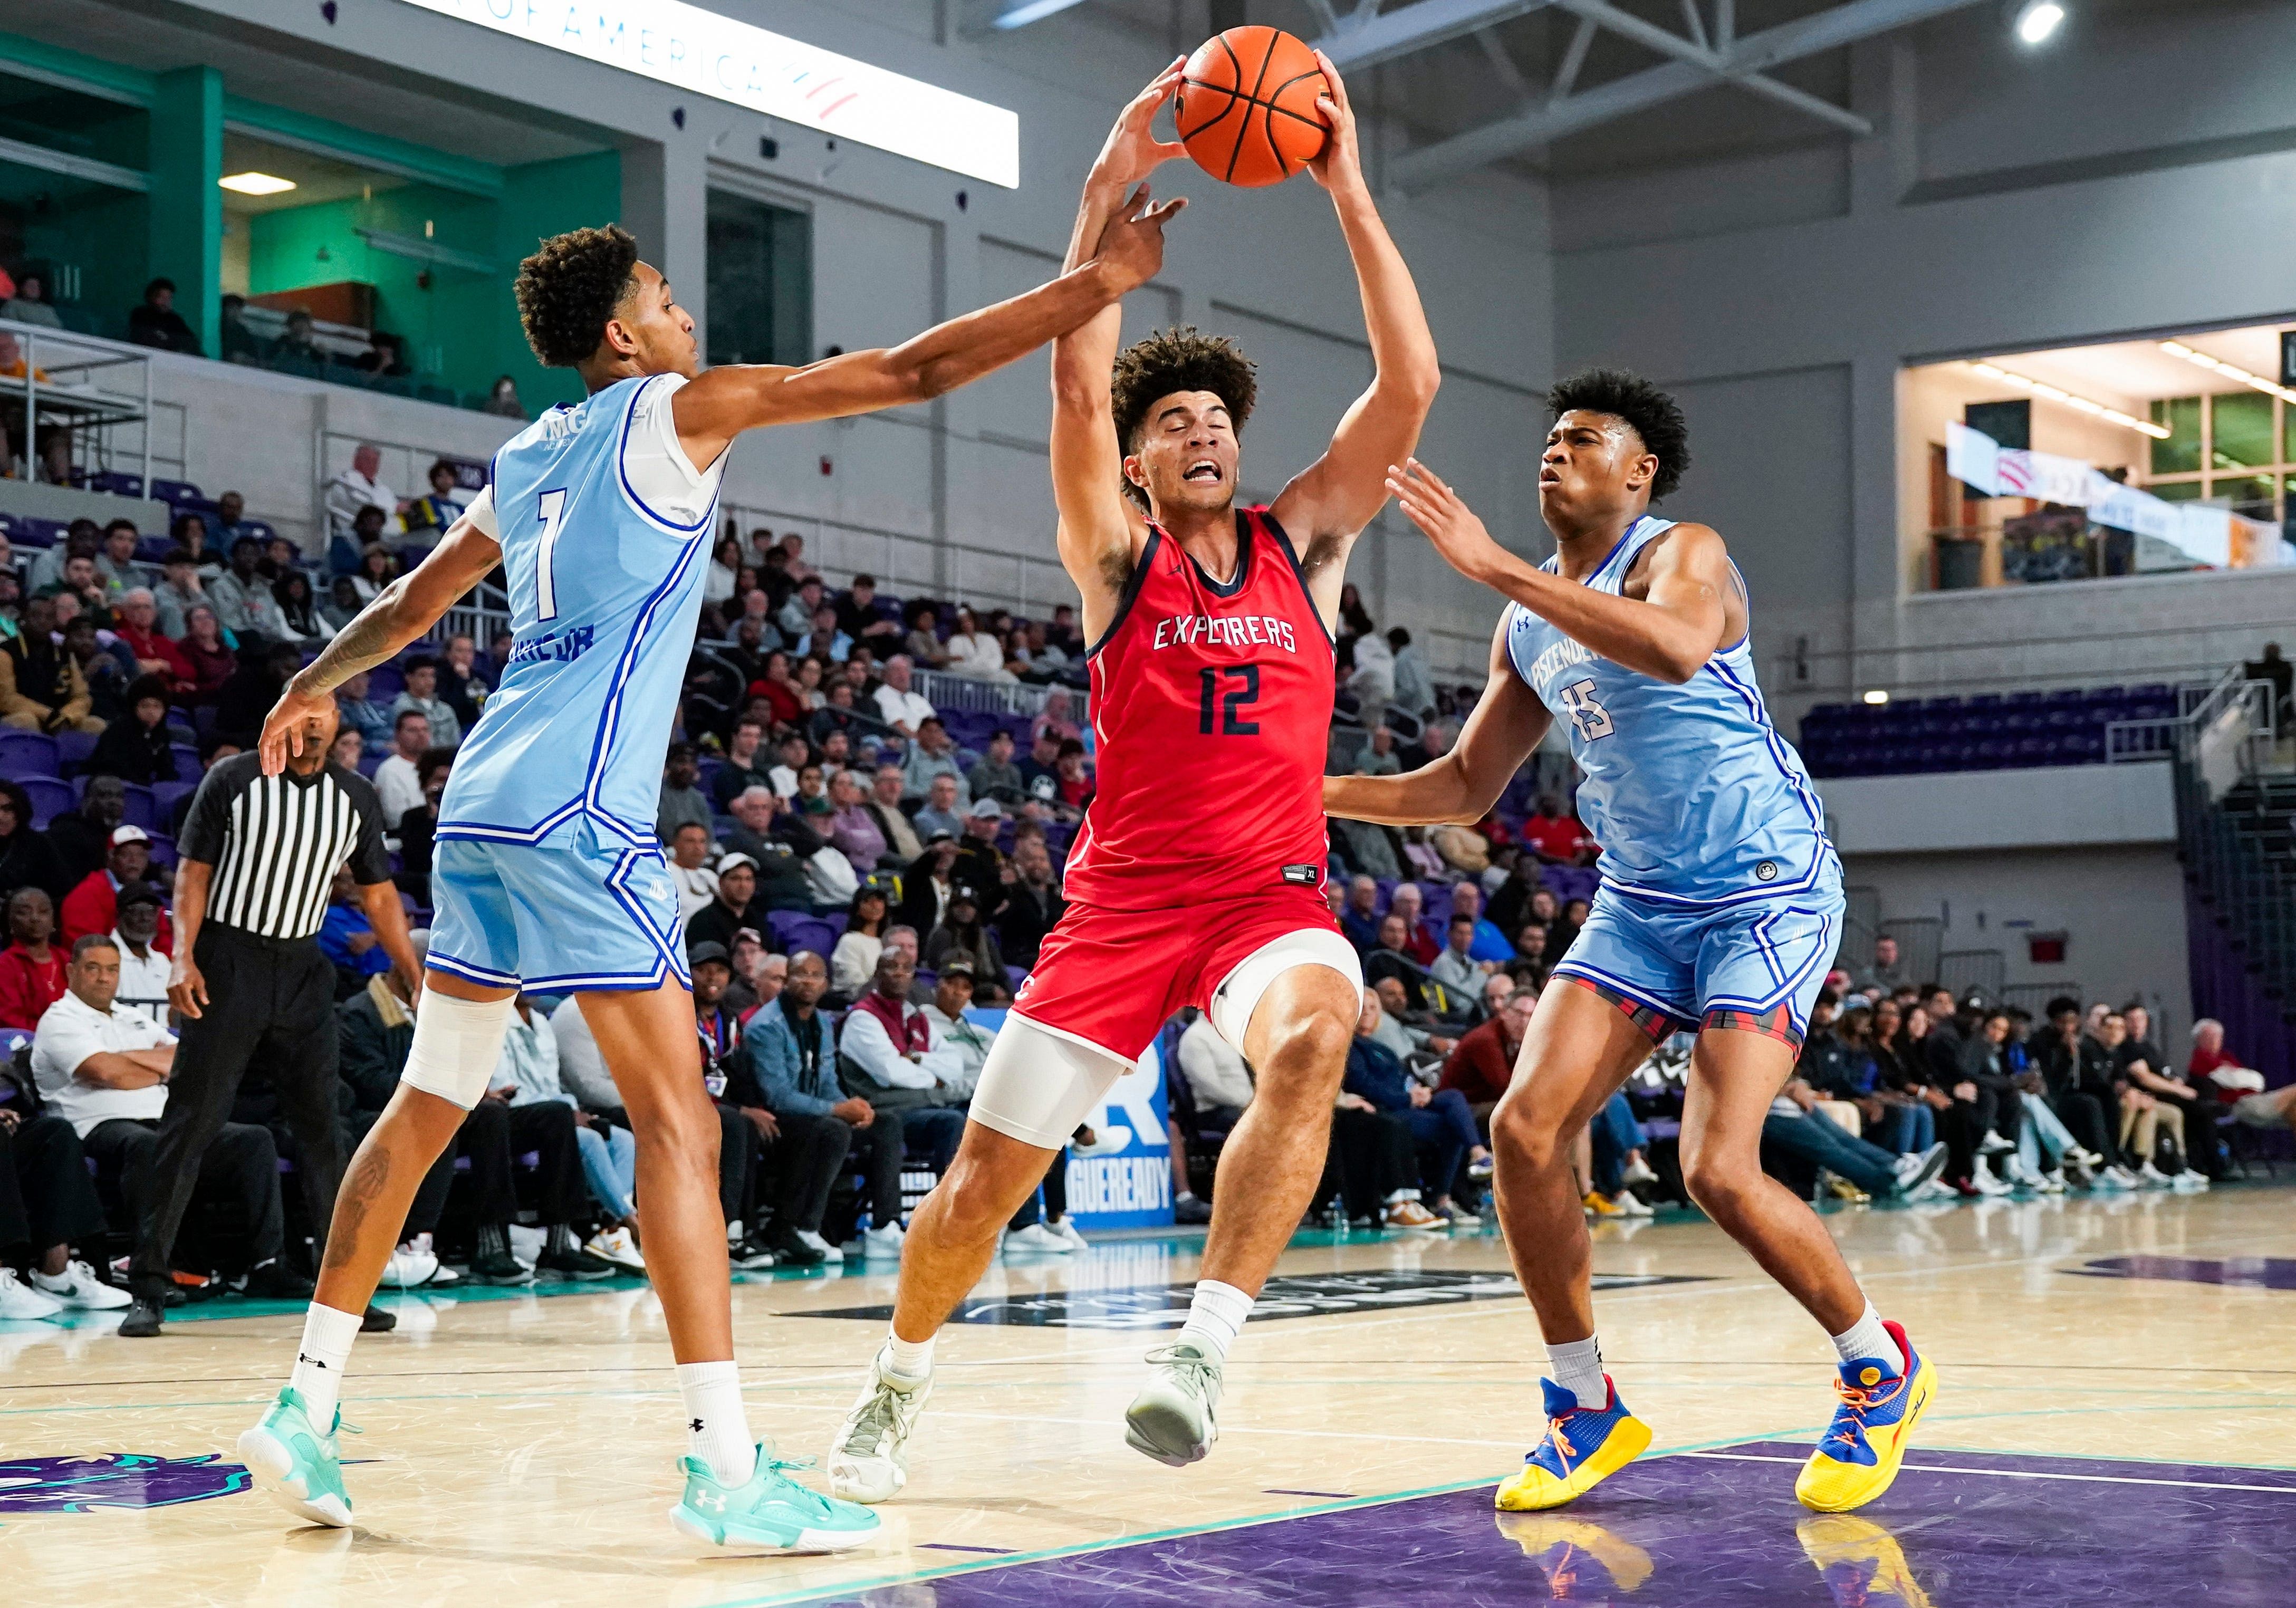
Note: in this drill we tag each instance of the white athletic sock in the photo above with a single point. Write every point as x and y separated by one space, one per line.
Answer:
716 1425
909 1361
320 1360
1867 1338
1576 1365
1215 1318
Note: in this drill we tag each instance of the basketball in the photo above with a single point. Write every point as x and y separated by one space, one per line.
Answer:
1247 106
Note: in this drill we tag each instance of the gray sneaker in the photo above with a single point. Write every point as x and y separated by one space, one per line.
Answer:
1172 1419
869 1462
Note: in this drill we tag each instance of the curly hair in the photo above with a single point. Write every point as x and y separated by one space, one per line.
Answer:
568 290
1172 360
1656 417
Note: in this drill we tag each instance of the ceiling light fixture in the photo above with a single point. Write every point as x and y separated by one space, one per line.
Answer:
2094 410
2036 21
1878 696
253 183
2230 371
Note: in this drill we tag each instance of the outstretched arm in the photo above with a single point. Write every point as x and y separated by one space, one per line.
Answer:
1328 503
406 611
1099 527
1677 628
1463 786
1127 250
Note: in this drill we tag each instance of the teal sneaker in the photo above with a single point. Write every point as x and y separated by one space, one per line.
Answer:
773 1512
293 1461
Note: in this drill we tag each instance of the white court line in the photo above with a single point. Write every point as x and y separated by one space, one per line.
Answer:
808 1406
2012 1473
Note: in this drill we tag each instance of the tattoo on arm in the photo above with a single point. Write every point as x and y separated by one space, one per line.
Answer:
360 646
368 1175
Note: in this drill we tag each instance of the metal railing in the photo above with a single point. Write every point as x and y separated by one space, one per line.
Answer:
1966 971
73 381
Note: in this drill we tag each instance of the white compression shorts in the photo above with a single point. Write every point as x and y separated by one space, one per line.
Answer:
1038 1083
458 1043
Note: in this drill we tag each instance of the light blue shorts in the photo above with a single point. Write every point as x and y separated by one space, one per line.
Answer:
577 910
1753 967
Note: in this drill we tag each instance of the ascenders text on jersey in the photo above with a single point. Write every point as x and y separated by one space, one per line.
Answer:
1226 631
1560 655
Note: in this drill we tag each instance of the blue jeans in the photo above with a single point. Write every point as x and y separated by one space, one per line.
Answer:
1445 1127
1614 1132
1906 1129
2041 1131
610 1162
1815 1138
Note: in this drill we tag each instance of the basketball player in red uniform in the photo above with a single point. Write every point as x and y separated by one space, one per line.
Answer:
1197 876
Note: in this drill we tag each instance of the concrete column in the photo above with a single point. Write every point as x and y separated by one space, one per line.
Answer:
665 203
187 207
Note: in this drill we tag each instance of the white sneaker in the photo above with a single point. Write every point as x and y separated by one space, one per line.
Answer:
869 1461
1993 1145
1173 1418
2189 1182
883 1242
1066 1229
2077 1157
409 1269
443 1274
2149 1177
1917 1167
2052 1182
77 1286
1982 1175
830 1256
1638 1171
1037 1240
20 1303
2118 1177
618 1246
1632 1204
1101 1144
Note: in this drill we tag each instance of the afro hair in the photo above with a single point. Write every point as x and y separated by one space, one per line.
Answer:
1175 360
1656 417
568 290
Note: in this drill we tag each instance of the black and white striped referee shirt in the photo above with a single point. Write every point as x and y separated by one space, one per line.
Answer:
276 843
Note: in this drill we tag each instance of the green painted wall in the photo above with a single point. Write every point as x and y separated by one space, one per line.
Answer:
187 207
539 199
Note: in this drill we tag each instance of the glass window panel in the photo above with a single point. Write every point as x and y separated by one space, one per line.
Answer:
760 276
2251 495
2180 454
2177 491
2240 431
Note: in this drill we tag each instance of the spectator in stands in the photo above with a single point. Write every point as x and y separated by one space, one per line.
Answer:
31 969
501 399
1797 1127
978 860
1532 963
91 905
1032 904
27 858
154 321
907 1070
82 840
1414 688
900 707
137 747
49 1204
928 883
398 779
1075 781
430 517
1483 1063
888 787
941 812
298 608
2239 1090
212 661
821 639
759 832
527 1078
1455 967
135 620
850 825
1440 1123
115 564
961 936
377 566
759 974
1490 943
242 600
341 605
139 927
421 694
459 684
1359 919
30 304
854 961
354 489
1388 958
995 776
348 749
1378 758
968 1040
418 828
921 643
2282 674
106 675
790 1061
975 652
745 764
41 687
728 910
1058 717
1886 973
683 803
2077 1088
794 617
689 854
1554 834
369 718
82 539
858 619
2172 1104
346 936
180 591
246 700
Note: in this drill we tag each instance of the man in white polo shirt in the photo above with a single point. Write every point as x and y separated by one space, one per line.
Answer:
104 1067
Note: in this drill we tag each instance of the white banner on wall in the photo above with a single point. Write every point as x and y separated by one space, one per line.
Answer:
2205 535
690 48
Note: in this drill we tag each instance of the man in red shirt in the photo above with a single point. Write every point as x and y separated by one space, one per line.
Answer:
155 655
1483 1064
93 906
31 973
2252 1104
1558 838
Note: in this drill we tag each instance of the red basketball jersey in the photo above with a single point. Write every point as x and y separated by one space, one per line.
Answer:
1212 706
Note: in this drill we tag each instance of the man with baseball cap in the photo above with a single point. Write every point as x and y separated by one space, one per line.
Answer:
89 906
139 924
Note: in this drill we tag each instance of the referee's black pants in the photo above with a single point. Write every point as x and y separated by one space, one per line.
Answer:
268 996
46 1198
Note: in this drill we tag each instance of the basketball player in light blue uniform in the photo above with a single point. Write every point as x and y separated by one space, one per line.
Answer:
547 877
1720 910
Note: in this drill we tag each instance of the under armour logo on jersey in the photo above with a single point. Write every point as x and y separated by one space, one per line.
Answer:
317 1362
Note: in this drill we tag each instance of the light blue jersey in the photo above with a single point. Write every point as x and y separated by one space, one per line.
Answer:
1721 896
547 873
606 556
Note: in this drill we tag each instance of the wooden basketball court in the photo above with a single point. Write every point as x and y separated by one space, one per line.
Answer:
2116 1382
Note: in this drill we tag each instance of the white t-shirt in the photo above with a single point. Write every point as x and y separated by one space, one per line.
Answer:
69 1033
143 983
911 710
399 787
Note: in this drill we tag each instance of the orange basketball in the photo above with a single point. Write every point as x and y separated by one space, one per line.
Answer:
1247 106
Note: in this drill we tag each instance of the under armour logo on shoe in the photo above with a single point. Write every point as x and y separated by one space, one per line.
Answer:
695 1426
709 1503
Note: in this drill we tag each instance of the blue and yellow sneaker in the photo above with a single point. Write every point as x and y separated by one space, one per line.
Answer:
1584 1446
293 1462
1858 1456
773 1512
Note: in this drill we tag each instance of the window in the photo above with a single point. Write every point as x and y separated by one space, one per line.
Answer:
760 298
2240 431
2180 454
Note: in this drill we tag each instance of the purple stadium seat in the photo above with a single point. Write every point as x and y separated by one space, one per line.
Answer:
50 796
73 750
27 754
164 795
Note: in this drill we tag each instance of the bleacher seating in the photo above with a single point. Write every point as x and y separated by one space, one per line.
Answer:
1991 731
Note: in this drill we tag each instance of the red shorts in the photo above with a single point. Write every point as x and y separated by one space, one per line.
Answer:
1113 977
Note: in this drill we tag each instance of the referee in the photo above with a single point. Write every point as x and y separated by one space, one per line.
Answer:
260 854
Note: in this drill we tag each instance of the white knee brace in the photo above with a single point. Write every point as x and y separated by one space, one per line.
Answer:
458 1043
